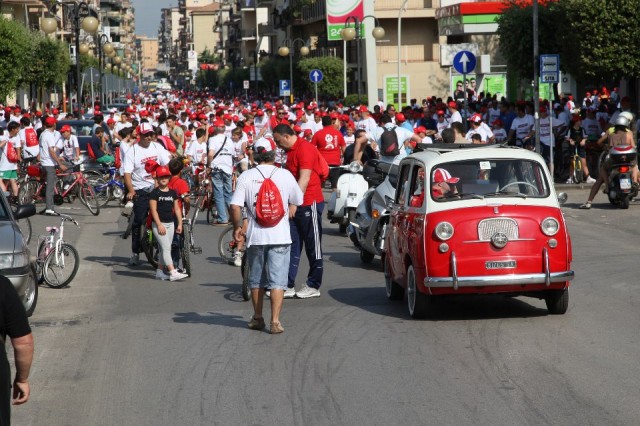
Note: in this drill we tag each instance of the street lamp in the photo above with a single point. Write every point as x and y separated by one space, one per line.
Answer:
81 19
349 33
287 49
105 49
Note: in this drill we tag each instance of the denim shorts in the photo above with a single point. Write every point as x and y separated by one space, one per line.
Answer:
268 266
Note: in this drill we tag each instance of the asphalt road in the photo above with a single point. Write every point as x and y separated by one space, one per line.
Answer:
119 348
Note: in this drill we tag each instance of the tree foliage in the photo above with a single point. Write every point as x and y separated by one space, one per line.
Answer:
332 84
14 54
48 61
272 70
595 39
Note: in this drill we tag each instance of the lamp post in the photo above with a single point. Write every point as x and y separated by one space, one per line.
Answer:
349 33
81 19
105 48
402 8
287 49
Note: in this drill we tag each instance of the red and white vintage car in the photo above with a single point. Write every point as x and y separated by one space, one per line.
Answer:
476 220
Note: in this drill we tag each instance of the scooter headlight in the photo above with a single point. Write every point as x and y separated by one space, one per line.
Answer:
355 167
550 226
444 231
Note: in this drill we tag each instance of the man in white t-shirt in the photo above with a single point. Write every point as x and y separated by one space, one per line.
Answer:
521 126
28 139
547 124
139 180
9 170
220 160
49 160
454 114
366 123
268 248
405 137
477 128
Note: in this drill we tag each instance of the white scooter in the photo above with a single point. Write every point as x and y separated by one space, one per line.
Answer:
344 201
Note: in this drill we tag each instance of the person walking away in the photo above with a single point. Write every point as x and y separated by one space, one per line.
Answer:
220 160
14 324
268 248
49 160
9 169
164 208
305 226
140 183
28 140
330 142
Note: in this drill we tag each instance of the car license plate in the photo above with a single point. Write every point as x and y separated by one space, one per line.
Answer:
506 264
625 183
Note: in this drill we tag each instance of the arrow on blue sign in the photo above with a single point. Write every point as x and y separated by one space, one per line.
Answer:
315 76
464 62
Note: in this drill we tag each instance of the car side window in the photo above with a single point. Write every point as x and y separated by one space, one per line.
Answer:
417 187
403 183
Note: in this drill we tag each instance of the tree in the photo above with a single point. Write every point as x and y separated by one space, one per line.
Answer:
273 70
14 54
48 62
332 84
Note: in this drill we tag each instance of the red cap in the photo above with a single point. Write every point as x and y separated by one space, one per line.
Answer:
145 128
111 121
400 117
363 108
65 128
162 171
219 123
440 112
235 118
310 106
38 113
226 117
420 129
498 122
50 121
307 132
442 175
318 113
55 111
297 129
334 115
260 113
475 118
452 104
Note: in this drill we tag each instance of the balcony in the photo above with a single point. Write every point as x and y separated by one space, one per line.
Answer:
409 53
267 30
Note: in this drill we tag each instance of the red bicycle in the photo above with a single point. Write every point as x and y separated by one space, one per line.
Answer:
33 189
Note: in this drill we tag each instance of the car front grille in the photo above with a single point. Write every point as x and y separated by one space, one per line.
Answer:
488 227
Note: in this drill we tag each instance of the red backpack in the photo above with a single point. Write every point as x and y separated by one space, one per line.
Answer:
31 138
90 152
269 207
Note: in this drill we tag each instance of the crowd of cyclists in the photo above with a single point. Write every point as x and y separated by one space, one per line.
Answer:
201 131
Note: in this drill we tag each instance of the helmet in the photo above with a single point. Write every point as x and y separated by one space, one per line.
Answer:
622 121
627 115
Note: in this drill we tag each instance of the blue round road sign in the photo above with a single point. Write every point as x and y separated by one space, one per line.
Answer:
464 62
315 76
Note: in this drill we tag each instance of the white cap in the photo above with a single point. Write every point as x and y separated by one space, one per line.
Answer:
145 128
262 143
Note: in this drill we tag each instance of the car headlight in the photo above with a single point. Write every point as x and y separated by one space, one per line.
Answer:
444 231
550 226
6 261
17 260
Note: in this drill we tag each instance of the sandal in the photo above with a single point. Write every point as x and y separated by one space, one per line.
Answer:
256 323
276 328
586 206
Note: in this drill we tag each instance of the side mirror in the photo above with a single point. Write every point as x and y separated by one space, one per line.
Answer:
24 210
562 198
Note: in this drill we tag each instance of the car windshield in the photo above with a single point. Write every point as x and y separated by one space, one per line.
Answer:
487 178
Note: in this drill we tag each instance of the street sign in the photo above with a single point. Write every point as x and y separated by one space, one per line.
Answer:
245 84
550 68
315 76
464 62
285 88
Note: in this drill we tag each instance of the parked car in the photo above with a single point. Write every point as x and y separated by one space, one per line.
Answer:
15 257
482 220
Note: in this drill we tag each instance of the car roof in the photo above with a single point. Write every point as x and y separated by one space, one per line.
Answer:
443 153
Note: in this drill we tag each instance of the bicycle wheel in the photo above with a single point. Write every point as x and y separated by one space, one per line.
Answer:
246 291
150 247
88 198
27 192
227 245
185 250
61 266
25 228
578 176
101 188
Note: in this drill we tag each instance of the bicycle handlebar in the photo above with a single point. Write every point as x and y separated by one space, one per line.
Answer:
67 218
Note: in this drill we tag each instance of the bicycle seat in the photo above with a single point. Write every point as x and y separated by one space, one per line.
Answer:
53 229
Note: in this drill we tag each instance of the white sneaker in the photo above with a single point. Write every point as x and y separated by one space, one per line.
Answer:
267 293
134 260
590 180
65 186
49 212
176 276
307 292
129 205
290 293
160 275
237 259
569 180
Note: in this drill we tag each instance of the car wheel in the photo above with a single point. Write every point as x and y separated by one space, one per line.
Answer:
365 256
31 292
394 291
557 301
418 302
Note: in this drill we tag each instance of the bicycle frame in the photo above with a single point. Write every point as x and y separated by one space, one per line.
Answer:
112 181
53 243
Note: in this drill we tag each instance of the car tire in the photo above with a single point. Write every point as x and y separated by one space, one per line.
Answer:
31 294
366 257
393 289
419 304
557 301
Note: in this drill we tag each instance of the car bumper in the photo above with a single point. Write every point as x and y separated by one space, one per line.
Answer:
454 281
19 277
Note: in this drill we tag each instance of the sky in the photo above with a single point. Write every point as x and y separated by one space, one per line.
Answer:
148 15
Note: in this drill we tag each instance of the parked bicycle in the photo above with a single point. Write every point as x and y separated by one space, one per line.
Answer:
106 184
57 261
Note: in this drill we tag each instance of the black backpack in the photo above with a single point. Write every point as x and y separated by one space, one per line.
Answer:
389 142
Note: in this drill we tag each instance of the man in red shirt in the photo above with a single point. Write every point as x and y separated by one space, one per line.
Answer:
306 225
331 145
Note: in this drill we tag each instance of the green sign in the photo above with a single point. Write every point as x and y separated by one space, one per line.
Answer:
392 93
487 83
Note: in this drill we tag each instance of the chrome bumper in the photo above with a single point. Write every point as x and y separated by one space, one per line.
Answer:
455 281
